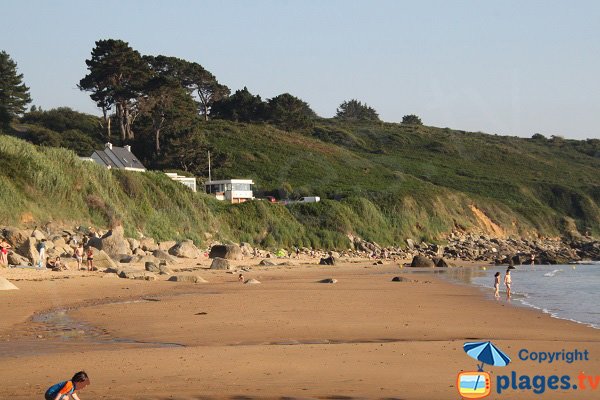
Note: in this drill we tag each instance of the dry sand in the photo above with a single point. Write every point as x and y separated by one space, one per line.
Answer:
289 337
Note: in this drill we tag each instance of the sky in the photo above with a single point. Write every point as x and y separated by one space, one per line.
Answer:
501 67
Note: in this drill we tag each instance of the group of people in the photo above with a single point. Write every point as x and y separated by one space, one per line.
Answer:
507 283
78 253
56 263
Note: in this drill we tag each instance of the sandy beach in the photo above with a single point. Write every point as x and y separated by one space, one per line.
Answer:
288 337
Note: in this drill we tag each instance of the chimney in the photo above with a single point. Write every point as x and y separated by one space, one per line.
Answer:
108 145
128 148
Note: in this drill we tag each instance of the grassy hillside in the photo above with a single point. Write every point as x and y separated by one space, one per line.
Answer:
382 182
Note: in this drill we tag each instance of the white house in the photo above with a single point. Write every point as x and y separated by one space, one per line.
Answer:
232 190
117 157
187 181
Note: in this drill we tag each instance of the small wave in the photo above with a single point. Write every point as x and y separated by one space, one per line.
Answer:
551 274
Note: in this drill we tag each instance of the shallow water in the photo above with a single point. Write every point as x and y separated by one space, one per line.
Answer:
570 292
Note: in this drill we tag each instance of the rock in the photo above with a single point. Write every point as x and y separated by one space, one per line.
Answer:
148 244
187 278
133 243
185 249
334 254
164 270
102 260
148 258
267 263
421 262
402 279
328 280
15 237
168 244
226 251
151 267
247 249
440 262
125 259
114 242
59 242
410 243
94 242
17 259
139 252
252 282
38 235
138 275
220 263
327 261
164 256
6 285
516 260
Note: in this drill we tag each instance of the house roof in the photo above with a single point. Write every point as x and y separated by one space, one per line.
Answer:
117 157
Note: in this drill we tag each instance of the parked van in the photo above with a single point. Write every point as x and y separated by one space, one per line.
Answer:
311 199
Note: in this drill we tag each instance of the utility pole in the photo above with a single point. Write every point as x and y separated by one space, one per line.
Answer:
209 177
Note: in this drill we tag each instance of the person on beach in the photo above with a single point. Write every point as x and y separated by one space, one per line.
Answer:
4 246
42 254
90 258
241 278
507 282
67 389
497 285
78 254
532 259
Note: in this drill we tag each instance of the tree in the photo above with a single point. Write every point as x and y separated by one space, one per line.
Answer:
242 106
289 112
411 119
14 94
354 110
117 75
168 107
193 77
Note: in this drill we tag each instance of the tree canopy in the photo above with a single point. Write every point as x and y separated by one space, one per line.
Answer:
354 110
242 106
289 112
14 94
411 119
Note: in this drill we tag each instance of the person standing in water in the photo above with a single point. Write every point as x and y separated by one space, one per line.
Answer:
497 285
507 282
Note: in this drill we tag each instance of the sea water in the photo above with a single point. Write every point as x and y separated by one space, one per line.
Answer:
569 292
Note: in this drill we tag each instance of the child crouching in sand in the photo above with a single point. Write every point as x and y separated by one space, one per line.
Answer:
67 390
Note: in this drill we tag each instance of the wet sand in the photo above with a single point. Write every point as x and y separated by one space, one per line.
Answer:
289 337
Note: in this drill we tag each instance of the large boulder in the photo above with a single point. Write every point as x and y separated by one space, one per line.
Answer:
38 235
422 262
151 267
187 278
167 245
103 260
148 244
29 249
327 261
164 256
247 249
185 249
138 275
15 237
114 242
17 259
267 263
440 262
226 251
220 263
133 243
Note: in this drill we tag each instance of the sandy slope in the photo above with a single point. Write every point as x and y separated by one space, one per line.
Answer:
364 336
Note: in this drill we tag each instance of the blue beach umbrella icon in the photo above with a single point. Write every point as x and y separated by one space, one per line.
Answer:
487 353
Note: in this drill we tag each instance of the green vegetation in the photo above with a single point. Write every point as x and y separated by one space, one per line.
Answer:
380 181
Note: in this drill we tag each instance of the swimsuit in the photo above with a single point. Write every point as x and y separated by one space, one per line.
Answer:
65 388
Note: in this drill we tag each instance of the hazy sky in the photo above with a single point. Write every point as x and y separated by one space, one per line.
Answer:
505 67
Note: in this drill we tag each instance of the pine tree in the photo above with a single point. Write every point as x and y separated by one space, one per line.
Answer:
14 95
